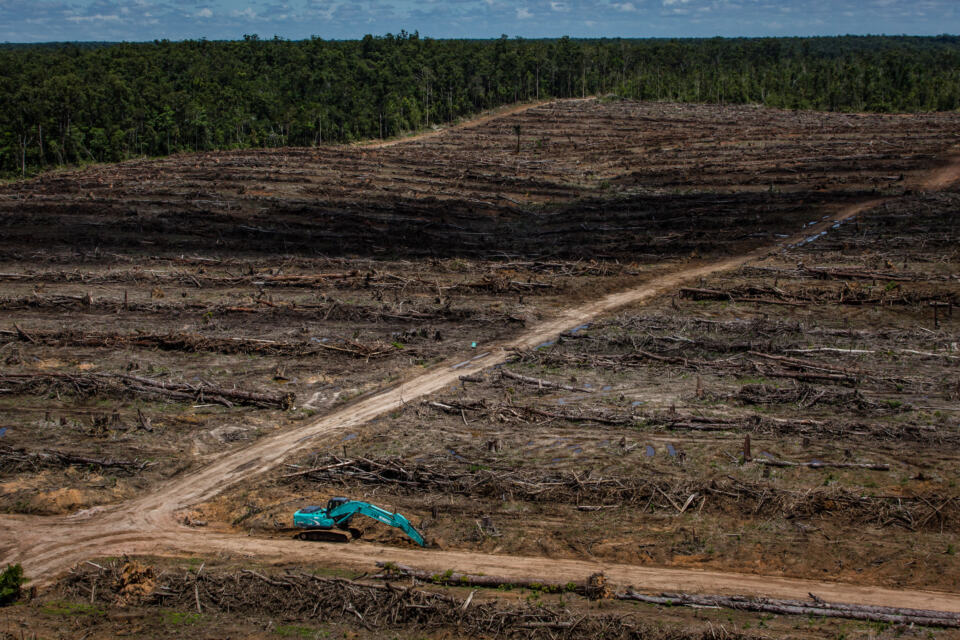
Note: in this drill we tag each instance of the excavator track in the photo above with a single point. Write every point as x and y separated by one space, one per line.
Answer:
328 535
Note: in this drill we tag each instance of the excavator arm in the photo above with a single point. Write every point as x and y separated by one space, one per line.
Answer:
342 513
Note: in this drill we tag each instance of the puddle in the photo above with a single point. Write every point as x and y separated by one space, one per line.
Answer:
349 436
650 451
672 451
578 450
3 432
561 401
637 403
544 345
456 455
580 328
607 387
767 454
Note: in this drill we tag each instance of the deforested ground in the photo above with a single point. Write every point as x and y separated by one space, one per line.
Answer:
794 416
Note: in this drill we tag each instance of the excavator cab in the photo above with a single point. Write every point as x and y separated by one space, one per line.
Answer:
333 503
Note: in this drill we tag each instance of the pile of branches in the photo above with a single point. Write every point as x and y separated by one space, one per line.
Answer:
768 425
807 396
597 588
841 273
512 412
119 384
301 597
332 310
500 284
420 478
194 342
654 492
845 294
749 362
659 333
16 460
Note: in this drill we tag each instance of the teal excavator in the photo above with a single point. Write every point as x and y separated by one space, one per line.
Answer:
332 524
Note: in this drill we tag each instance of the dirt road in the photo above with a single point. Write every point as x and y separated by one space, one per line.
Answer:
487 117
47 546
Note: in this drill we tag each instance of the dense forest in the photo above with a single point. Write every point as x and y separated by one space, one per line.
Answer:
74 103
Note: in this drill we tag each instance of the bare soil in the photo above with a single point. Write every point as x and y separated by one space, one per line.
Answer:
695 274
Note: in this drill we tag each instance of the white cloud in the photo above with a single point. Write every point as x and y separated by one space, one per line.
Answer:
99 17
559 7
523 13
204 13
247 13
627 7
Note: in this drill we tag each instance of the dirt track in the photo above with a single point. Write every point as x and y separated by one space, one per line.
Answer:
47 546
499 113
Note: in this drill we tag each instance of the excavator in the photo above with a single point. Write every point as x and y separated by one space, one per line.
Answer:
332 523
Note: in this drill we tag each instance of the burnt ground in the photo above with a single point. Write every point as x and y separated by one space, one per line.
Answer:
235 279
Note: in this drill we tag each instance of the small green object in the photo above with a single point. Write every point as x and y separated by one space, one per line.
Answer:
473 345
11 580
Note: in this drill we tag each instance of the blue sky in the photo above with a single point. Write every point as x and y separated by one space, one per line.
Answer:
135 20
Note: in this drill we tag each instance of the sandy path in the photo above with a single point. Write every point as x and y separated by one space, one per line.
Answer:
47 546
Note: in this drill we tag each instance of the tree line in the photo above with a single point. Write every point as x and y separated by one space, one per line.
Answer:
68 103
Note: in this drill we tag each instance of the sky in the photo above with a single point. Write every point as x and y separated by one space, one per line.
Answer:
140 20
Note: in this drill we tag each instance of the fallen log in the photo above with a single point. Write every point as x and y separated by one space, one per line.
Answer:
796 363
543 384
714 294
91 383
17 457
393 570
193 342
816 607
574 417
816 464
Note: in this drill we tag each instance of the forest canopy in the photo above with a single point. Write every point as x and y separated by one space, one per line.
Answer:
101 102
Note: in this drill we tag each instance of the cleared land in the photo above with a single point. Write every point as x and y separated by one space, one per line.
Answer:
184 325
